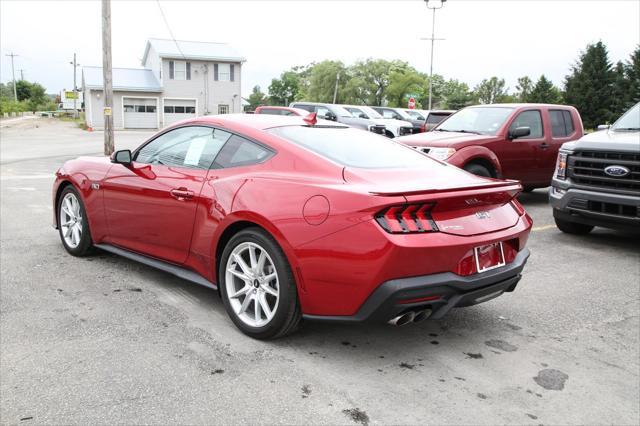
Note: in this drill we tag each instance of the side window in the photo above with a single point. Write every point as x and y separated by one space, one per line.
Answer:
568 122
193 147
531 119
309 108
239 151
558 127
321 111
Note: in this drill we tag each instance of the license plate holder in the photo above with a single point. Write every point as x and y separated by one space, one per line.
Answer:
489 256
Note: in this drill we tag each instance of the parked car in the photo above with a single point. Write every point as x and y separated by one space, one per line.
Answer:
339 114
291 218
512 141
432 117
280 110
394 128
597 179
400 114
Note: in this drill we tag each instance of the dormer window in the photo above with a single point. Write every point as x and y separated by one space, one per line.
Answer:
179 70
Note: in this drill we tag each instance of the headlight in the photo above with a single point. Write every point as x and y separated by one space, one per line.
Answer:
441 153
561 166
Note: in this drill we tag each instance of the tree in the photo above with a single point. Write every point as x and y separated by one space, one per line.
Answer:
589 86
621 95
544 92
23 90
632 72
491 91
284 90
456 95
523 89
323 80
256 98
403 83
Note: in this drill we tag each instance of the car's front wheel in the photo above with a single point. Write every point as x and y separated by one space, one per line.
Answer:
73 224
257 285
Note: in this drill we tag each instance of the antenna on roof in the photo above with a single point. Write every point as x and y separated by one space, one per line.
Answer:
311 119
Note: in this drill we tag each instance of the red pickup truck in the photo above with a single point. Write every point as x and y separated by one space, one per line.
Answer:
508 141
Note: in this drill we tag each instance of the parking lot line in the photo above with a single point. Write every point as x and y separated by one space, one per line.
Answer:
542 228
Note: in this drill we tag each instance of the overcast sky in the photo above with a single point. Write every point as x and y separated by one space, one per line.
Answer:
483 38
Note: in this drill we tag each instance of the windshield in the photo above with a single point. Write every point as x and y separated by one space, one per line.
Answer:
629 121
340 111
415 114
483 120
372 113
353 147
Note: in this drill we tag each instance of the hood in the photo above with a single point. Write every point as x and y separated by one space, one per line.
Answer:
391 122
445 139
607 140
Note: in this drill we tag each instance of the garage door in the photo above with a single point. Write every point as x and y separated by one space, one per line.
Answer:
176 110
140 113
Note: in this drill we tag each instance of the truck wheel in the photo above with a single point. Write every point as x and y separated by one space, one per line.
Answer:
477 169
572 227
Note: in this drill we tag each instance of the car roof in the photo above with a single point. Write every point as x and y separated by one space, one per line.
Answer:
519 105
254 121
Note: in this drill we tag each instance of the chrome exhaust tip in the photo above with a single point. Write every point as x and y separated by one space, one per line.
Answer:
403 319
422 315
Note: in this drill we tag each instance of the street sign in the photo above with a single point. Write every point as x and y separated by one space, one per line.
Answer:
412 103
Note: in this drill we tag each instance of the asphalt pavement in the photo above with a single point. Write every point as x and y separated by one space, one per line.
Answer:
106 340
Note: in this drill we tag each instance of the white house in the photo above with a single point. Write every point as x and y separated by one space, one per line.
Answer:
179 79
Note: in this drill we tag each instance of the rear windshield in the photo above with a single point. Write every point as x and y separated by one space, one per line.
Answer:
353 147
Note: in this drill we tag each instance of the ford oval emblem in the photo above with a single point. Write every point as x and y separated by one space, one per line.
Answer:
616 171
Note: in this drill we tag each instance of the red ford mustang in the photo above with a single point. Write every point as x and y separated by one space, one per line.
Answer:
289 218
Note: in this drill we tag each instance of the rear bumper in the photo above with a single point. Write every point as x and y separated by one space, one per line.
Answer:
445 291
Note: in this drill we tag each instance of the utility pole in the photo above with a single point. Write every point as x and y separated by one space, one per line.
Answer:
438 5
13 73
75 93
335 91
21 74
106 77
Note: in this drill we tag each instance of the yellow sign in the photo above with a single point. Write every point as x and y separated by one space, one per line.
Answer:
70 95
107 111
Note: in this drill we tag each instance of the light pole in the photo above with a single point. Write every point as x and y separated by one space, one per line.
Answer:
15 92
433 5
75 94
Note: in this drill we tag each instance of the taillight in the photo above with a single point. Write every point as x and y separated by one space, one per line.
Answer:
407 219
423 128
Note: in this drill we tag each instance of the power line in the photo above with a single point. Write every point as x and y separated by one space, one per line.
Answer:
166 22
13 73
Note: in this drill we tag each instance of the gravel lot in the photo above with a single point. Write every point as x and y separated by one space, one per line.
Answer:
106 340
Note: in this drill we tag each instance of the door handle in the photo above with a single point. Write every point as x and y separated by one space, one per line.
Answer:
181 194
544 145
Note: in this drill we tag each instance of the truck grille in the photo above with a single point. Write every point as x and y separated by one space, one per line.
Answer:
587 168
615 209
405 130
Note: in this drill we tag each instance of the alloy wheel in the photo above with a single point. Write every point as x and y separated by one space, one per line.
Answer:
252 284
71 220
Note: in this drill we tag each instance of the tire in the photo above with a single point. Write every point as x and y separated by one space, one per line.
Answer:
277 314
477 169
573 227
76 237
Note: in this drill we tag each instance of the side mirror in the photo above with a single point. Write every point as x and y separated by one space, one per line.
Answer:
330 116
362 115
121 157
519 132
420 118
604 127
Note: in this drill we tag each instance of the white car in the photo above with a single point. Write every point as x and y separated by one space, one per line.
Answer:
394 128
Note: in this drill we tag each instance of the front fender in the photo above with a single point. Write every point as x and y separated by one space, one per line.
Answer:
469 153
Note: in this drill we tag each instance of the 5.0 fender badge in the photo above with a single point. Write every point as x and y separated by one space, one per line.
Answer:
483 215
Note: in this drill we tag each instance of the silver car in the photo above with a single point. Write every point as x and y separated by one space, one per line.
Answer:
394 128
339 114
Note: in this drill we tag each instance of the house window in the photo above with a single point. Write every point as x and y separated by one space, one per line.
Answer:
224 72
190 109
223 109
179 70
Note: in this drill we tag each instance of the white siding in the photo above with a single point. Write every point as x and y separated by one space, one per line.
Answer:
94 111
